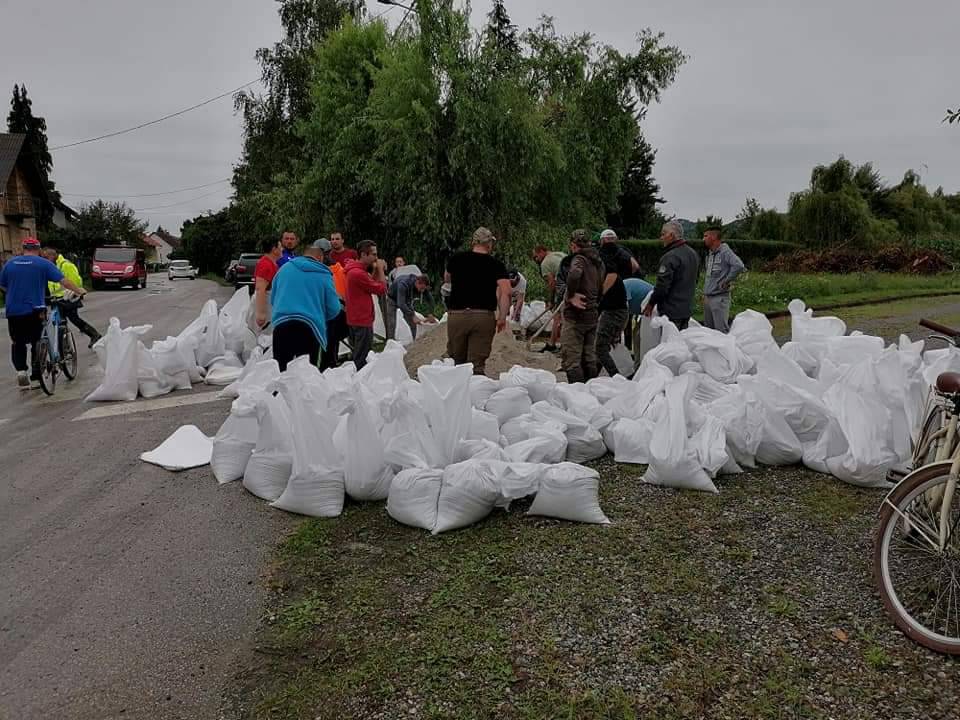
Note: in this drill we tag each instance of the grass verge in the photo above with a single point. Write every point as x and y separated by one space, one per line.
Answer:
754 603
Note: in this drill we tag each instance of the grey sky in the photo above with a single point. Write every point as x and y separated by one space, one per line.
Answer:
771 88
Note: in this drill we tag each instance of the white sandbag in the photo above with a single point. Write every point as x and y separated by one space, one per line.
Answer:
779 445
385 371
742 417
710 445
629 440
408 440
577 401
509 403
516 429
484 426
151 383
584 442
709 390
690 367
802 357
481 388
569 492
810 332
224 370
316 485
851 349
238 338
605 389
258 355
649 335
538 383
622 359
118 352
233 445
414 497
546 444
206 330
717 353
187 448
468 493
367 473
863 423
479 450
672 463
271 463
672 352
446 400
635 397
517 480
753 333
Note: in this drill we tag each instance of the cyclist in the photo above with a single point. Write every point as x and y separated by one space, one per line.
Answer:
69 308
24 280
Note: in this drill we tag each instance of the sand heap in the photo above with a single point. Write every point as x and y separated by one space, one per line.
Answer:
507 352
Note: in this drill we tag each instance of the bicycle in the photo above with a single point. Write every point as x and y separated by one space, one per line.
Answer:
916 556
56 351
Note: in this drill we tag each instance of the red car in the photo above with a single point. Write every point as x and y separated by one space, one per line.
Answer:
116 265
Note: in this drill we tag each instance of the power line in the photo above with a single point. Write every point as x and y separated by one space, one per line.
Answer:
158 120
182 202
146 195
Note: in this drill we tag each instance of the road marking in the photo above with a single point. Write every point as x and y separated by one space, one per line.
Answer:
129 408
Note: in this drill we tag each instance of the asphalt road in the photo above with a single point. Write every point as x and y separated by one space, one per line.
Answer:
126 591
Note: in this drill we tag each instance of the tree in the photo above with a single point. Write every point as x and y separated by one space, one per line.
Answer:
636 214
22 120
705 223
98 223
952 116
501 35
211 241
746 216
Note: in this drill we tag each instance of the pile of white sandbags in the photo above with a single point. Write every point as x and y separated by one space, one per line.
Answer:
217 348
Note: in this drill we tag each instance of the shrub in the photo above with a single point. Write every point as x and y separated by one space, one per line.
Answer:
753 252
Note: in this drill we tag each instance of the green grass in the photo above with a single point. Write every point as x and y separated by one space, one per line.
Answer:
217 278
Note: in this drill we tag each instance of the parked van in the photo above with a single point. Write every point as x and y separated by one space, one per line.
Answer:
118 265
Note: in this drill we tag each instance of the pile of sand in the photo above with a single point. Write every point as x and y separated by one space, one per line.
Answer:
507 352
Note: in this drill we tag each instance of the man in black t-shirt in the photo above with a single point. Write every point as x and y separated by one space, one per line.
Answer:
613 305
479 301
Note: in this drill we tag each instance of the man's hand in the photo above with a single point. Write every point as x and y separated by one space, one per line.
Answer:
578 301
648 310
261 319
501 324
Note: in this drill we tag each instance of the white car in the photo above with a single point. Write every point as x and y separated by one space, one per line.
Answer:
181 269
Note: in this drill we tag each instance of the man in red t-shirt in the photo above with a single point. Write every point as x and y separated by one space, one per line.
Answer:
263 277
366 277
339 253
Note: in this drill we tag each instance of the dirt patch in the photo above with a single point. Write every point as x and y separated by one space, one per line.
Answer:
507 352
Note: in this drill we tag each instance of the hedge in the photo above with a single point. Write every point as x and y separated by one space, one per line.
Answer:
754 253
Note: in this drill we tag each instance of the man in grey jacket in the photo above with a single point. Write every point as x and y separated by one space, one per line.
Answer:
722 268
676 277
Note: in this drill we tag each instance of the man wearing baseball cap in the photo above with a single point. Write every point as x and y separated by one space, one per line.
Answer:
24 280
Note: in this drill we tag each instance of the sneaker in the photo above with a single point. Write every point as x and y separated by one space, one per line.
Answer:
23 380
548 348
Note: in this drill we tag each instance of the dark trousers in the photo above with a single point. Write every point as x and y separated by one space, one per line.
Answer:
293 339
470 336
70 311
361 338
609 330
578 346
336 333
25 331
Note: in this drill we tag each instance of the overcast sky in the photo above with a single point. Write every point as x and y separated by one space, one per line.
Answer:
770 89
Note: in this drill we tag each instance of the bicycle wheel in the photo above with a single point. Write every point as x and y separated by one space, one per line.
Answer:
48 370
919 584
69 362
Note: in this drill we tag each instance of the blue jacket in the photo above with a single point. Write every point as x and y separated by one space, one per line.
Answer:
303 290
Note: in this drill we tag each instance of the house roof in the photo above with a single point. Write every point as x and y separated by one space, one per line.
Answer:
172 240
10 145
151 241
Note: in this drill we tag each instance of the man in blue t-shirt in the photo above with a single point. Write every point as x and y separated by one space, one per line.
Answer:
290 241
23 281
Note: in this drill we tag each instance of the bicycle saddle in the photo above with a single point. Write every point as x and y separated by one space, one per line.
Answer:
948 382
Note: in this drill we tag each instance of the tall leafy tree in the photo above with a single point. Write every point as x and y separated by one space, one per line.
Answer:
636 214
500 33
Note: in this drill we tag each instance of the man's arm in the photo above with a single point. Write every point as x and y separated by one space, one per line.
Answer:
575 276
405 298
503 303
73 287
518 307
735 268
260 301
664 283
608 282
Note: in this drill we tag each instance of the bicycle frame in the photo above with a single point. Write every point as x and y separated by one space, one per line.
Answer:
947 455
52 332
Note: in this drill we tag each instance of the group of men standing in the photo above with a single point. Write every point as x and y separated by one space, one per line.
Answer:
316 301
597 294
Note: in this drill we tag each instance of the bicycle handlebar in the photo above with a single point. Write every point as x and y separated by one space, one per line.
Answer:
938 328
